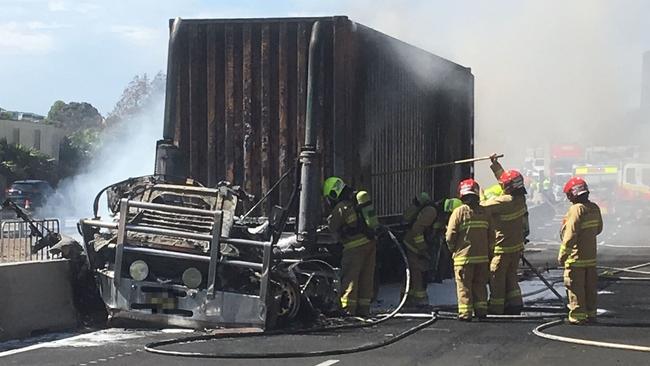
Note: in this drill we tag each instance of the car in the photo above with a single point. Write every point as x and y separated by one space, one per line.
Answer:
29 194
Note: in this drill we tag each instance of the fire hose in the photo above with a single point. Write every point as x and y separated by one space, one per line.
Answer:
154 347
538 331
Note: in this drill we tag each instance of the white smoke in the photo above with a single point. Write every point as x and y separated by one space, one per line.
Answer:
545 71
128 150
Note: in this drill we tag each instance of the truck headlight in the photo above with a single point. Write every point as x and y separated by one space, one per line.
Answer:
192 277
139 270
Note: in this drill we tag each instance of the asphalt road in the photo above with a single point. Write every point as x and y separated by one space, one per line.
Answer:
446 342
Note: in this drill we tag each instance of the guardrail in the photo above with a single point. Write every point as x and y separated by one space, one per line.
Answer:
17 239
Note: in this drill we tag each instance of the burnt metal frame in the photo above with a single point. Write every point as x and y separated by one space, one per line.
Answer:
215 240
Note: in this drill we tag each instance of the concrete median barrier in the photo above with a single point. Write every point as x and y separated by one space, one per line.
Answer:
35 297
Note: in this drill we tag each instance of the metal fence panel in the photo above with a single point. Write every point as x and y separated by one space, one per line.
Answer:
17 239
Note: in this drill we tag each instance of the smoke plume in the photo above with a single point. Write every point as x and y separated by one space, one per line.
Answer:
128 150
546 71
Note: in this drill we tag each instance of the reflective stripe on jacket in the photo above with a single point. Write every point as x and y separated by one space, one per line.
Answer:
344 222
582 223
510 216
414 237
470 235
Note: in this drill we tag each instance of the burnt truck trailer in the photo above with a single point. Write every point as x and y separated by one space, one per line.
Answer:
237 96
273 106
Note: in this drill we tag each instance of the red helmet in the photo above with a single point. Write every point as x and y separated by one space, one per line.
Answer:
575 187
467 187
511 180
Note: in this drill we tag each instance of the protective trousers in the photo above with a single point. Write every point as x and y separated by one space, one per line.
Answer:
505 294
581 284
358 271
471 282
418 265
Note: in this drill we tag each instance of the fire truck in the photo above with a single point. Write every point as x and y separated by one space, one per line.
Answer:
621 190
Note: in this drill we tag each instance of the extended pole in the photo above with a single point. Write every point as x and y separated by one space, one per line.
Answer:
539 275
433 166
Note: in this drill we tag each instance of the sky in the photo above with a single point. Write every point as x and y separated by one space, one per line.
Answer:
573 65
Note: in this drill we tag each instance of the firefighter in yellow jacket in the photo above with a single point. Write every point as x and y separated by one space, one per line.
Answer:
577 255
470 238
510 216
420 217
354 221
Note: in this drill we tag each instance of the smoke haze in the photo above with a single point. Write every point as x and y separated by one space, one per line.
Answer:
128 150
546 71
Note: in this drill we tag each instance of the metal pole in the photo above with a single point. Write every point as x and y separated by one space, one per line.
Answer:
433 166
170 93
307 212
539 275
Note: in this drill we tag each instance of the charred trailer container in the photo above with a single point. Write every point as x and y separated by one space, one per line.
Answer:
236 104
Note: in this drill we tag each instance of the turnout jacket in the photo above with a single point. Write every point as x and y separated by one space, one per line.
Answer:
580 227
470 235
510 217
414 237
346 224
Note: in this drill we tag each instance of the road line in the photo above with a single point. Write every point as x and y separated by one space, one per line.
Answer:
40 345
328 363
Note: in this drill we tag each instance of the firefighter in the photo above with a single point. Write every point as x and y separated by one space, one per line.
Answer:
441 265
510 216
546 184
470 237
354 221
577 255
420 217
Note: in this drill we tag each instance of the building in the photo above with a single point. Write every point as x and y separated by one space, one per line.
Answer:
28 132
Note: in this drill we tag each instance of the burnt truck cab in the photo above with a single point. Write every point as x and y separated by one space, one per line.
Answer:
174 255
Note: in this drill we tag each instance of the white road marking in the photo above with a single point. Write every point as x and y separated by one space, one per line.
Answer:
624 246
38 346
92 339
328 363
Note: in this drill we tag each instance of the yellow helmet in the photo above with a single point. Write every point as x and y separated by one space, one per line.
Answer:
492 192
422 198
332 187
451 204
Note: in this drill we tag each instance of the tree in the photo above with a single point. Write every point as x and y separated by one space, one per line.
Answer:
139 94
19 162
53 114
85 131
77 150
74 116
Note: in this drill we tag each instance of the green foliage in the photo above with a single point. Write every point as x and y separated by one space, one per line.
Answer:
55 110
77 150
5 115
18 162
138 95
74 116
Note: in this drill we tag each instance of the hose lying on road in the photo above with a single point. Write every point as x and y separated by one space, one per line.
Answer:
618 278
632 267
538 332
154 347
610 271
